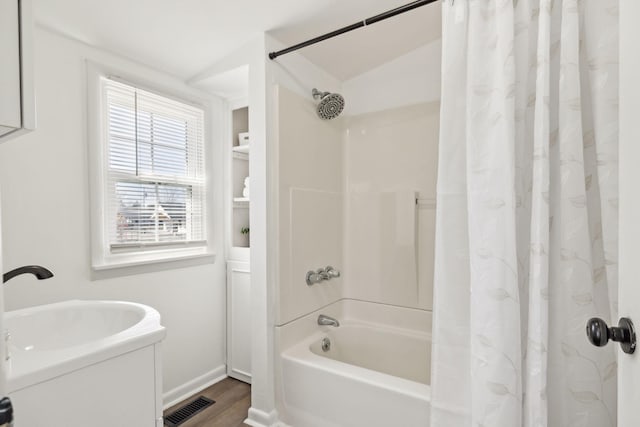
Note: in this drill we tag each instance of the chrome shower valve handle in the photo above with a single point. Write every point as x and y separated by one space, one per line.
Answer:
331 272
313 277
320 275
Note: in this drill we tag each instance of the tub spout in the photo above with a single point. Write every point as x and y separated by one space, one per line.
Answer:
327 321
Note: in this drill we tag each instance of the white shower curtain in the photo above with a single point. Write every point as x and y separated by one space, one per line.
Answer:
526 240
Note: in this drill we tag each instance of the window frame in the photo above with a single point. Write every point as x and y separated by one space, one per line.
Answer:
102 255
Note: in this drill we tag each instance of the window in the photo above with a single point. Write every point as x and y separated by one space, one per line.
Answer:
154 195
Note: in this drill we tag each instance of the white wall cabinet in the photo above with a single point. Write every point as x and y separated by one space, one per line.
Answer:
17 109
239 320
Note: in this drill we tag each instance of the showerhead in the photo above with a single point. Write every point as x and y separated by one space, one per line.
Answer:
330 105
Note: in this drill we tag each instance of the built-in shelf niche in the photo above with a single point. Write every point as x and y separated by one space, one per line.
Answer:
240 171
241 202
241 151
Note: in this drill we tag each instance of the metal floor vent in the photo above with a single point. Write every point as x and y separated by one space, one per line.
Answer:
181 415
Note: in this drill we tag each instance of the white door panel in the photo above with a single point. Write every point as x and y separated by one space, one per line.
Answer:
629 261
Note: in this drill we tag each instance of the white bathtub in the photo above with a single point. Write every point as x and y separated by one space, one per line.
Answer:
377 372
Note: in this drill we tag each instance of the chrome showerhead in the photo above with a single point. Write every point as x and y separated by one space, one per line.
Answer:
330 105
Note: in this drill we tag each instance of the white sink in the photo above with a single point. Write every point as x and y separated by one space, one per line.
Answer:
58 326
50 340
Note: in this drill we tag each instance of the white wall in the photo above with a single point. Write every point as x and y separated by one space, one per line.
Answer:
410 79
45 221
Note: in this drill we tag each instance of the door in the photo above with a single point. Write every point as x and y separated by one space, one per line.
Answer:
629 256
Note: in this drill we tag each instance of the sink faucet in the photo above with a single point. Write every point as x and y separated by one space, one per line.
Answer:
41 273
327 321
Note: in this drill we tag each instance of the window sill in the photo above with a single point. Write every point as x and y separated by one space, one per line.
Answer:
128 264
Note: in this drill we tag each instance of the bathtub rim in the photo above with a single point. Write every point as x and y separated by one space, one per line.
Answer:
377 314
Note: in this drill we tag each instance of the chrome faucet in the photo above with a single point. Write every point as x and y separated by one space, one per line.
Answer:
331 272
41 273
314 277
324 320
321 274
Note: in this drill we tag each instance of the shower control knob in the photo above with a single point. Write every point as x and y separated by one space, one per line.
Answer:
599 333
331 272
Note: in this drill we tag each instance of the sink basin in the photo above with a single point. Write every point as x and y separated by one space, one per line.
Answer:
59 326
50 340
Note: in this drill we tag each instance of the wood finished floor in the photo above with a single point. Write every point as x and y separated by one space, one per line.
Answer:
233 399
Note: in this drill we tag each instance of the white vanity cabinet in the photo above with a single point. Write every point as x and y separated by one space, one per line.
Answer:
17 109
121 391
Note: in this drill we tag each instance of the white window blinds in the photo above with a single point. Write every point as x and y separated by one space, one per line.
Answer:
155 193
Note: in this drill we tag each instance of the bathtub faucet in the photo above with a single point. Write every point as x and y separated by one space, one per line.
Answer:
327 321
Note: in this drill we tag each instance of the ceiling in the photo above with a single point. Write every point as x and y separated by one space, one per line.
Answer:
184 37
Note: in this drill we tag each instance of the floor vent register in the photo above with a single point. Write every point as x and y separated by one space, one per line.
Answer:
181 415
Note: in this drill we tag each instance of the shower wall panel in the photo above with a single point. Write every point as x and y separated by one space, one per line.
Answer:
391 160
310 191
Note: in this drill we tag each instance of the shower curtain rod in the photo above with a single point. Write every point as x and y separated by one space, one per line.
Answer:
360 24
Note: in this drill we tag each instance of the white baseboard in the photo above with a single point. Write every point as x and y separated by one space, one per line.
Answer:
258 418
192 387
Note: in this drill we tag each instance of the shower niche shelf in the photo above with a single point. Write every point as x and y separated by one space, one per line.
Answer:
240 152
241 202
241 149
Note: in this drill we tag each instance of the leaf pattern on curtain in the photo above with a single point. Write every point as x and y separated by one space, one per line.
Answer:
526 234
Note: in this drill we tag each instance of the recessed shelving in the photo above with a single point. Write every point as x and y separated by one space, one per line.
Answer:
241 149
240 152
239 174
241 202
